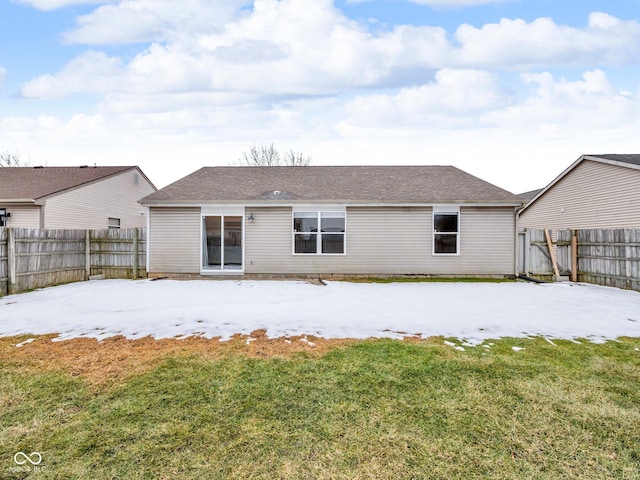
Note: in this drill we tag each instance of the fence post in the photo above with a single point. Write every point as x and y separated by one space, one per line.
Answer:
527 250
87 254
574 256
11 260
135 252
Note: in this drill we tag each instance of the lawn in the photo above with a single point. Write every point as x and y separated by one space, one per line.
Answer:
309 408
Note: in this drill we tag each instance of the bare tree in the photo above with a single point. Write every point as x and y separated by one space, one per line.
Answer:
268 156
8 159
297 159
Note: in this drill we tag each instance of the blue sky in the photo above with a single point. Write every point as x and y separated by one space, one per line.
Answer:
511 91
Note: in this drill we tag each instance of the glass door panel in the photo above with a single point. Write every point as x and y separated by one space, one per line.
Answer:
212 248
233 243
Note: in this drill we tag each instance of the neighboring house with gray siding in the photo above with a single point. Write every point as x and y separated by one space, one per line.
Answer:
73 197
596 191
375 220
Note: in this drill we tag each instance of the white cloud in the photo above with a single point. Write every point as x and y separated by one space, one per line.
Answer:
281 47
463 99
519 44
3 76
453 99
587 104
307 47
458 3
441 4
302 74
55 4
133 21
91 72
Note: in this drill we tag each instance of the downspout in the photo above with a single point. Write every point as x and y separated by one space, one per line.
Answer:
148 242
516 246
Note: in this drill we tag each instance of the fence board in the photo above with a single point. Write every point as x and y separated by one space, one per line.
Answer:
112 253
4 261
48 257
608 257
51 257
540 264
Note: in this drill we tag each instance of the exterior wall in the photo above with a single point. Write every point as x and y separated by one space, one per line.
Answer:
90 206
593 195
488 242
389 240
174 240
23 216
379 241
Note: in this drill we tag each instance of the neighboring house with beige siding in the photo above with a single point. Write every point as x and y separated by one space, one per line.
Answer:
596 191
73 197
392 220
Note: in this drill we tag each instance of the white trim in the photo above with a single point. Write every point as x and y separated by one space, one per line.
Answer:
230 210
609 161
445 210
247 205
316 207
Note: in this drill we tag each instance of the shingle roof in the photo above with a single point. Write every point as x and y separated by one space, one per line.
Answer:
526 196
32 183
345 184
634 159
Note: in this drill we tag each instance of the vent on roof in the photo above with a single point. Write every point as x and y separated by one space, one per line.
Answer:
84 166
277 195
39 166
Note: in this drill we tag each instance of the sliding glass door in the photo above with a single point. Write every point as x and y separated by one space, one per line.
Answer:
222 242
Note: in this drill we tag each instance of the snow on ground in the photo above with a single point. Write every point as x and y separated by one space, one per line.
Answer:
471 312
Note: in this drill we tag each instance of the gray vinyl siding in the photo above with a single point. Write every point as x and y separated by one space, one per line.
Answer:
23 216
593 195
487 241
386 240
174 240
91 205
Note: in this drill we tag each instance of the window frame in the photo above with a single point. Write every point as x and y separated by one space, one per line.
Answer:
318 234
114 223
445 210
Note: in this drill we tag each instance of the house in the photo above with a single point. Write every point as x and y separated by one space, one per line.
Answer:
304 221
73 197
596 191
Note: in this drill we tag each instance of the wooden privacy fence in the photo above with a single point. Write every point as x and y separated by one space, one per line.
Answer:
35 258
608 257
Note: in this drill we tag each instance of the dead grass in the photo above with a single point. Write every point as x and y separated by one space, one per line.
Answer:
115 359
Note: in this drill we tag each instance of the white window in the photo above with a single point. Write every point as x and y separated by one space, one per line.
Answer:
114 223
446 232
319 232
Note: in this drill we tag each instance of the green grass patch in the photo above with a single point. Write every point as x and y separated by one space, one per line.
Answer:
381 409
420 279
